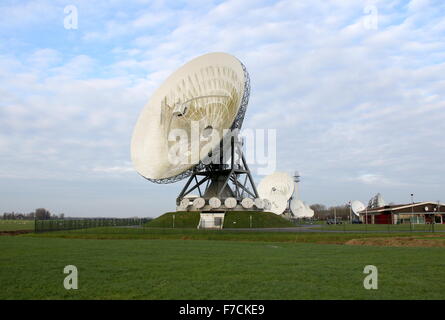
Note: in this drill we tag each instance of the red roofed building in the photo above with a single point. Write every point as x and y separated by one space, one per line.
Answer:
420 212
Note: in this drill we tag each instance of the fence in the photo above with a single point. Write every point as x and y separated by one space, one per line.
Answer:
73 224
346 226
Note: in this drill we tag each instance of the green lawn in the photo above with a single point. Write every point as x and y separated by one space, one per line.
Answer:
31 268
13 225
227 235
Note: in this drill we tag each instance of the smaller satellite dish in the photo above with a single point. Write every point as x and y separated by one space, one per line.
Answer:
259 203
247 203
184 203
199 203
357 206
298 208
278 203
309 212
267 204
230 203
214 202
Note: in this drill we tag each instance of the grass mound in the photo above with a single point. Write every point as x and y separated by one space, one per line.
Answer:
181 219
260 219
232 219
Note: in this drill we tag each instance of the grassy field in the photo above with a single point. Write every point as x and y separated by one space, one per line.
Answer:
14 225
32 268
224 235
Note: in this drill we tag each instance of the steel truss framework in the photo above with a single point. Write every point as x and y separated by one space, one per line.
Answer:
236 177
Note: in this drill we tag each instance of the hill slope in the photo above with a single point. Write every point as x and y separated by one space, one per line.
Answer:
241 219
233 219
182 219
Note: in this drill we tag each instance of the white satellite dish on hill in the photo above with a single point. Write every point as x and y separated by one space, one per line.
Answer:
277 188
206 99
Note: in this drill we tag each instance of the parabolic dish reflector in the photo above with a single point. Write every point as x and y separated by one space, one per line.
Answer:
301 209
276 183
298 208
209 94
357 206
278 203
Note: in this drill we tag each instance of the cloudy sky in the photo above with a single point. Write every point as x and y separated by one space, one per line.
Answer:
355 90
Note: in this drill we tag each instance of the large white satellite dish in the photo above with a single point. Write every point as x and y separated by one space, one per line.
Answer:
189 128
357 206
209 93
277 188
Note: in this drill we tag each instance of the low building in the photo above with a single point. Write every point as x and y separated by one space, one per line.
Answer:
419 212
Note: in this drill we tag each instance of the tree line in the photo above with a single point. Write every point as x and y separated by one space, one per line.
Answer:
322 212
40 214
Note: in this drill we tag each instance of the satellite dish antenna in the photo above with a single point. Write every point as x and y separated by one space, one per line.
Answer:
276 183
275 188
259 203
267 204
357 206
278 203
205 100
199 203
184 203
214 202
298 208
247 203
309 212
230 203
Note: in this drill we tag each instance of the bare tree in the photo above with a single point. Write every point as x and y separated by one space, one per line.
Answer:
42 214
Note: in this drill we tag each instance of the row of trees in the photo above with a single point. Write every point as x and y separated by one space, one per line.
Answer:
321 212
40 214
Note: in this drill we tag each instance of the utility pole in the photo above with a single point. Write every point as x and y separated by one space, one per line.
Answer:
366 215
350 212
412 212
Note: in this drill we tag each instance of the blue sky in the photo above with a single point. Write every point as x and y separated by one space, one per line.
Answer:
357 110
